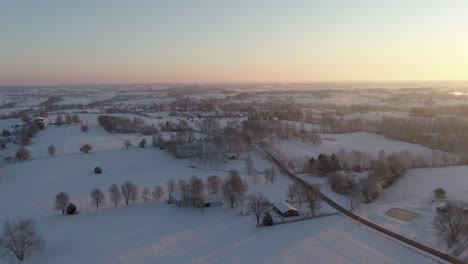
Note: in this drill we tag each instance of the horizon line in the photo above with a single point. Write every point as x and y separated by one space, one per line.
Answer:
229 82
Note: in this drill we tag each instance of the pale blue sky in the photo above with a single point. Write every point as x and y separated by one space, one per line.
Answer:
78 42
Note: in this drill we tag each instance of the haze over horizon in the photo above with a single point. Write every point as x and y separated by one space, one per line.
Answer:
82 42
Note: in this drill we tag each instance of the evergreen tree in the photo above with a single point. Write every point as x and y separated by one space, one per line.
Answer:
323 164
334 163
267 219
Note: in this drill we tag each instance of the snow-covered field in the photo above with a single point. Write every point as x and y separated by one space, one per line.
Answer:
415 192
158 232
359 141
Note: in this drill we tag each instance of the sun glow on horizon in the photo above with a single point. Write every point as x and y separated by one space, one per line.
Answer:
213 41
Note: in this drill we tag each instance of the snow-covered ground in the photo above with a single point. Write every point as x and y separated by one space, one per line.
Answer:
158 232
359 141
415 192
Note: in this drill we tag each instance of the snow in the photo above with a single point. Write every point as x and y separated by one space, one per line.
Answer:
359 141
159 232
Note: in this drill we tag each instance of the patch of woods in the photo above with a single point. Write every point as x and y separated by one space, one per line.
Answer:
23 137
121 124
215 144
382 172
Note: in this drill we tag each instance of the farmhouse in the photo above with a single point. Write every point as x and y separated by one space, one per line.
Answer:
284 209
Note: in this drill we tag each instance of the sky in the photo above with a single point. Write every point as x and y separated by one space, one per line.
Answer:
54 42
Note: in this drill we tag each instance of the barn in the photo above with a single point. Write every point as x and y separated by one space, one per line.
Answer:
284 209
213 200
177 198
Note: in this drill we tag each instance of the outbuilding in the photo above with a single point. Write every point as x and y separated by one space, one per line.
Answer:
177 198
213 200
285 209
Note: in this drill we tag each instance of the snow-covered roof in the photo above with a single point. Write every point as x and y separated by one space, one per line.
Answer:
178 196
212 198
442 206
284 207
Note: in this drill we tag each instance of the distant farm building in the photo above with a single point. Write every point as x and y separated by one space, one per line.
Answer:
284 209
213 200
39 121
443 208
177 198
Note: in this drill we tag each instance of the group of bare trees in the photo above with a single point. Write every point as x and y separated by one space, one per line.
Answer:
233 188
67 119
309 194
195 188
122 124
86 148
127 192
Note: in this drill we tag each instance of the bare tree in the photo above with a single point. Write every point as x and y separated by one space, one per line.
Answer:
128 191
145 194
134 194
249 165
183 187
127 144
24 140
267 174
20 239
213 184
312 197
158 192
292 191
257 204
272 175
61 201
171 185
114 194
59 120
197 188
51 150
97 198
234 189
86 148
451 224
23 154
355 198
